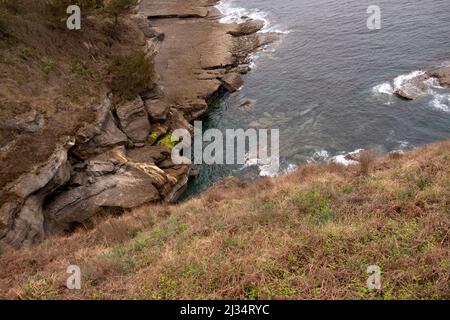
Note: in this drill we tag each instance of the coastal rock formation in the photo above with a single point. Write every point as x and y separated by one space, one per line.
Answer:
122 160
413 87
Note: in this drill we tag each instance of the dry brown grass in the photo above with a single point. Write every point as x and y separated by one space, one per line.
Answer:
307 235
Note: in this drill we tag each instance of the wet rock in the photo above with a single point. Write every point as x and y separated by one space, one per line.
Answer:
27 122
181 173
248 27
232 81
413 88
157 109
133 120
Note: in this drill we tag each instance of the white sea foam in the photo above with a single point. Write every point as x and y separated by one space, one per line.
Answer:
384 88
441 102
342 158
233 14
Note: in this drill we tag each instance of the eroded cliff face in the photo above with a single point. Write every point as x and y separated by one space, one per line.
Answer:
118 162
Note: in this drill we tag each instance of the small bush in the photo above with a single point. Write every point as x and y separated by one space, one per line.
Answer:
130 75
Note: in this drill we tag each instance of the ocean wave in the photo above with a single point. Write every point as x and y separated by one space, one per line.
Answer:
440 101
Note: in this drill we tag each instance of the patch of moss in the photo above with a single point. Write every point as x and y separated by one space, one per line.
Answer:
169 141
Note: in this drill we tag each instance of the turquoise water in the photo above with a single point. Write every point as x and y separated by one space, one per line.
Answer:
323 84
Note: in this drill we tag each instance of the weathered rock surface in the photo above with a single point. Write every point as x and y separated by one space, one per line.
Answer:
27 122
232 81
100 136
413 88
22 218
195 59
133 120
157 109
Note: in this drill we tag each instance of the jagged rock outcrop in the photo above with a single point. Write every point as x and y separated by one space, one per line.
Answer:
101 135
232 81
442 75
117 161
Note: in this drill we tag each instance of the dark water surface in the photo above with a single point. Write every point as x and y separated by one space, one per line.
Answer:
319 85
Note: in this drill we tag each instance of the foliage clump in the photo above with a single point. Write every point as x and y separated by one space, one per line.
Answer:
131 75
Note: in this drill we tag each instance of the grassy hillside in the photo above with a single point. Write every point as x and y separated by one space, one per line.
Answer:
309 234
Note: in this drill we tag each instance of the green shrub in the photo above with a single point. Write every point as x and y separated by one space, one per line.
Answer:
130 75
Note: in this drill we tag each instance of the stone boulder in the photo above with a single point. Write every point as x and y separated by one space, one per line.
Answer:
412 88
133 120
